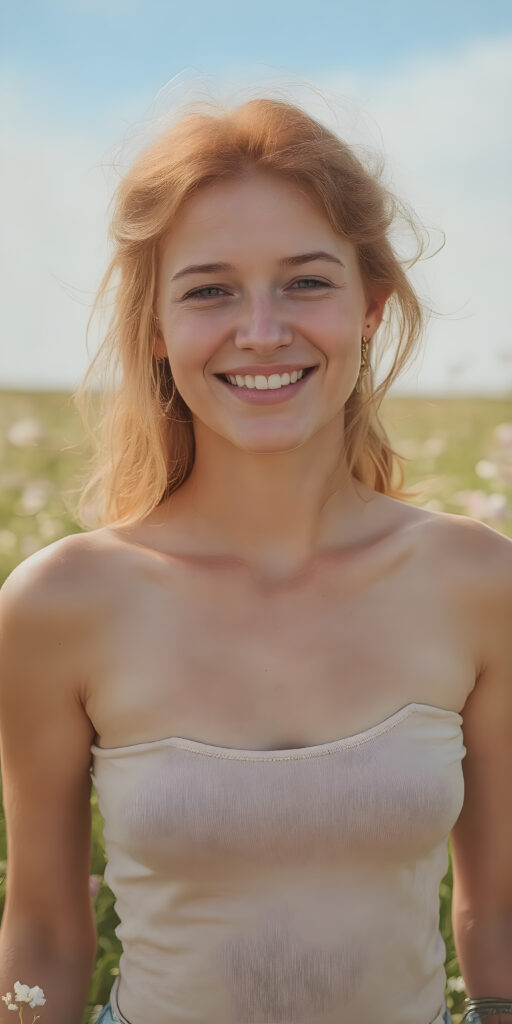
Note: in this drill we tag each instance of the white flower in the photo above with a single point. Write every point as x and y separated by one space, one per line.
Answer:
36 996
26 432
486 469
484 506
22 992
497 507
432 447
94 885
456 984
35 496
503 434
7 999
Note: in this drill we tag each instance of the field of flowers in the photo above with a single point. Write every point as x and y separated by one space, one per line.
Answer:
460 458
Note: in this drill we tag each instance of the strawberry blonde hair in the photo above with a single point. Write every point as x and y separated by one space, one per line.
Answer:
143 436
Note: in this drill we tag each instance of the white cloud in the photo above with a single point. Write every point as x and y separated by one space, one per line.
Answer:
444 128
446 131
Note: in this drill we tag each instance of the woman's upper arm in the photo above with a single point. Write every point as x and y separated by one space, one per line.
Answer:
45 736
481 839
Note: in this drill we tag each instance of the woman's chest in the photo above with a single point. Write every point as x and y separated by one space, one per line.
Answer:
204 655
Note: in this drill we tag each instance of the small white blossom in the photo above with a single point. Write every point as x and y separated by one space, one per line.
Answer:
432 447
503 434
456 984
37 997
22 992
35 496
26 433
480 505
7 999
94 885
486 469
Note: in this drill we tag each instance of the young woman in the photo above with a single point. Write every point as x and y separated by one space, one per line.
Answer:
289 683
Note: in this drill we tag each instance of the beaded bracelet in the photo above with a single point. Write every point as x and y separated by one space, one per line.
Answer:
476 1008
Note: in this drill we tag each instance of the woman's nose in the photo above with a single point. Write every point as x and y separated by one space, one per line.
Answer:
262 327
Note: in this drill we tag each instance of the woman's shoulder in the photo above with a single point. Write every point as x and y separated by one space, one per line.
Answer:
65 571
471 542
471 557
455 531
474 564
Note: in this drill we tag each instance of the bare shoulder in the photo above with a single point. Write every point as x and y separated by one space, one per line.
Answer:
475 565
470 547
55 597
464 549
69 566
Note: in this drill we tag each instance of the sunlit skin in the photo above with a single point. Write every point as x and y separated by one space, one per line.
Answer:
269 483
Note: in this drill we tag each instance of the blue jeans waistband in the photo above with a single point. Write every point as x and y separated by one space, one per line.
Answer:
111 1014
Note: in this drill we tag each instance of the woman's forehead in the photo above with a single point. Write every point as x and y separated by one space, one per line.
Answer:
268 216
254 188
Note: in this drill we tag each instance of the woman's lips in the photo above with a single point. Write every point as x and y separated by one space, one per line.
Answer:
268 396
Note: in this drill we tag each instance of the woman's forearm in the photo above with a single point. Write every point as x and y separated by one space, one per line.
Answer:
484 951
64 979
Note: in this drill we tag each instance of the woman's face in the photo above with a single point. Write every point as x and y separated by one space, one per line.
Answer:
272 305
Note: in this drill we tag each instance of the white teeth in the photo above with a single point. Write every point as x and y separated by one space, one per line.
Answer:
262 383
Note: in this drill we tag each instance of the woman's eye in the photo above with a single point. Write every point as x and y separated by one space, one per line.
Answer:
207 288
311 280
304 283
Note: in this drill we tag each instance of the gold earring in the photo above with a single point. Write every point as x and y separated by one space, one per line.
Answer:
364 362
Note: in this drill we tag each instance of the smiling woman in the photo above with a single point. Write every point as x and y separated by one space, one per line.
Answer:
261 305
264 656
220 165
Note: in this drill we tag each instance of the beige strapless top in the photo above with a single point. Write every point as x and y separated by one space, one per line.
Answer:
283 886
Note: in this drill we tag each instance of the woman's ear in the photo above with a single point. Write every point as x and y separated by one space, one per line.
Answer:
375 308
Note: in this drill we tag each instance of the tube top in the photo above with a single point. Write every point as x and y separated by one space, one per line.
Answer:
283 886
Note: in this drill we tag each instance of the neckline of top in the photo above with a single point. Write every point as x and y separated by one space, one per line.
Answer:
196 746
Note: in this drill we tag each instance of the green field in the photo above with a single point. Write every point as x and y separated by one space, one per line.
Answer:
460 458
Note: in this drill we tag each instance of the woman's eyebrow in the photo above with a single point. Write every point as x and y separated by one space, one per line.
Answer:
286 261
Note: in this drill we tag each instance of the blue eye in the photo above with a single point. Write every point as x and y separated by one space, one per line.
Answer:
199 292
207 288
311 280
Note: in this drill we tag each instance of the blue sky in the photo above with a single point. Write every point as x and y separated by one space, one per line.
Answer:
80 52
426 84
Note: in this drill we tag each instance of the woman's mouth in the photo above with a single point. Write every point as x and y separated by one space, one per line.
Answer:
267 395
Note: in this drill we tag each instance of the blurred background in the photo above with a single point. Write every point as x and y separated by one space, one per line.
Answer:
85 84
